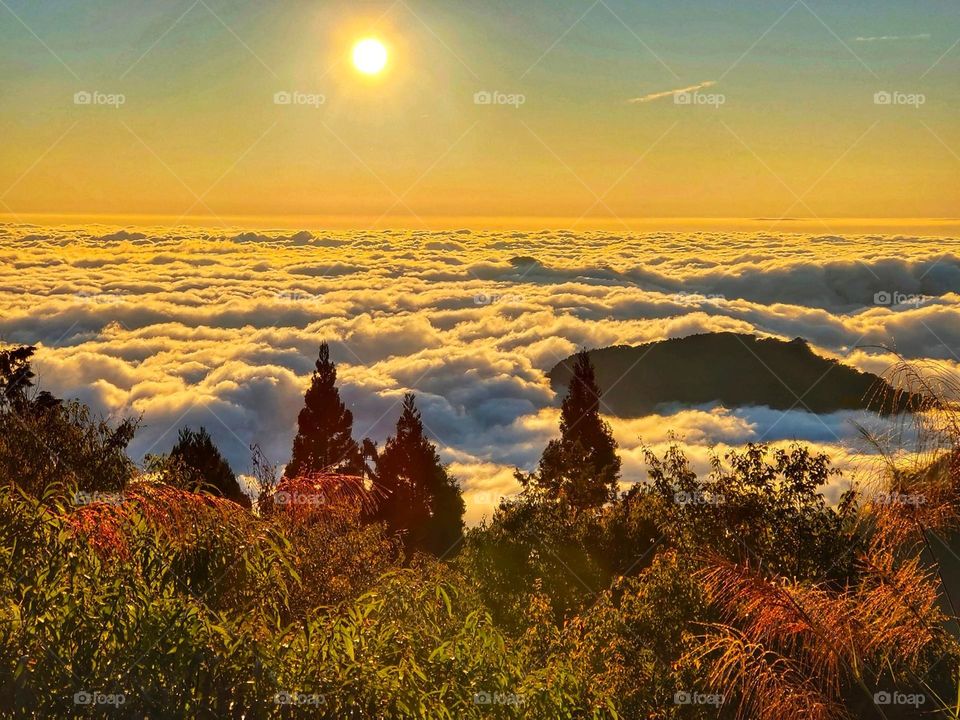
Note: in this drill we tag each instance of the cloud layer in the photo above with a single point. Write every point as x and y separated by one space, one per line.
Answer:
220 328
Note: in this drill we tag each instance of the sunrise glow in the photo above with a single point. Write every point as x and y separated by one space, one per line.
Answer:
369 56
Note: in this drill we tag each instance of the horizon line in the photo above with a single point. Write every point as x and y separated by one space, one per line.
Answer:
480 222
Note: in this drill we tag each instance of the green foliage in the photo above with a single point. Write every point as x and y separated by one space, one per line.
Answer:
46 443
77 617
570 603
532 544
64 444
567 554
417 646
628 642
760 506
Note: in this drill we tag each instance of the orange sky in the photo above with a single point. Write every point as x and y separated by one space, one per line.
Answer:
498 112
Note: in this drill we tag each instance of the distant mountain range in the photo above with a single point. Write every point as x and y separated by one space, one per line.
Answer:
734 370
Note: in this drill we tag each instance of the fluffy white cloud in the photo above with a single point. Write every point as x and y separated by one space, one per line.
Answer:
191 326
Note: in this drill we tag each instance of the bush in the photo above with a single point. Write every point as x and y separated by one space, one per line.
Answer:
64 445
118 618
759 505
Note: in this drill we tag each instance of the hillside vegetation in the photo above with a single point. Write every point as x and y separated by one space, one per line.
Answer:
349 588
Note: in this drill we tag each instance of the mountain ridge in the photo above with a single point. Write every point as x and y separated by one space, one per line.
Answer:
734 370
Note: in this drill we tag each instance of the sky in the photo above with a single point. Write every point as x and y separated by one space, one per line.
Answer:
585 125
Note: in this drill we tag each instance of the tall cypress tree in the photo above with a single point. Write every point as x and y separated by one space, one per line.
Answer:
420 499
324 441
581 466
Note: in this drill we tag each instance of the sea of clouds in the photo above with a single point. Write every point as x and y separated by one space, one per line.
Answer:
220 328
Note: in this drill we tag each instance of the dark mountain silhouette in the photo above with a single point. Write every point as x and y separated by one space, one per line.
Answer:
732 369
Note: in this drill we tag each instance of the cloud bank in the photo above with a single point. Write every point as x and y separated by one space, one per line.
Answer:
191 326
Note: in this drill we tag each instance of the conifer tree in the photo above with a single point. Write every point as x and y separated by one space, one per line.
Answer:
206 466
420 499
581 467
324 441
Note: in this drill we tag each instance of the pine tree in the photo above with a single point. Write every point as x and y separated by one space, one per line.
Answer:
420 499
205 466
324 441
582 466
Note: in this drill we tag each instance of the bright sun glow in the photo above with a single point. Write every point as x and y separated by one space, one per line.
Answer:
369 56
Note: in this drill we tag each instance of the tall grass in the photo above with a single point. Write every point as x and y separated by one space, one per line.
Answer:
805 649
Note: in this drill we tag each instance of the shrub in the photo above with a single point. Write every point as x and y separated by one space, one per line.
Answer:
64 445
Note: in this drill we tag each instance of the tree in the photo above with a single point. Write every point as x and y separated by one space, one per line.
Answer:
64 444
45 442
758 505
16 382
581 467
420 499
205 466
16 377
324 441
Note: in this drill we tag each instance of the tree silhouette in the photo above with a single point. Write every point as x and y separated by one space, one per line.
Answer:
45 441
581 467
205 466
419 499
16 382
324 441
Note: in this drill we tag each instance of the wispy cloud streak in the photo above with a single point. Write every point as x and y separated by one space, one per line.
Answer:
668 93
886 38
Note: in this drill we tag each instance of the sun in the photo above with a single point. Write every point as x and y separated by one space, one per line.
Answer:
369 56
